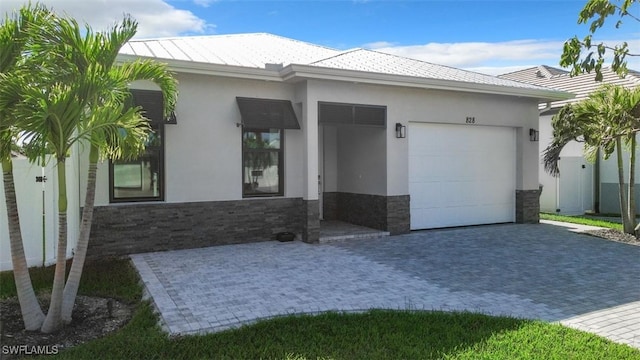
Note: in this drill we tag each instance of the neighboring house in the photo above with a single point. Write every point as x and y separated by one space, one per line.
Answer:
273 134
582 186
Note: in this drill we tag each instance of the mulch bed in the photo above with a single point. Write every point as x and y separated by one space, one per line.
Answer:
615 235
93 317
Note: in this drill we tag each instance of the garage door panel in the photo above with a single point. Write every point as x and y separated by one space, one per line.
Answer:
461 175
422 195
427 173
438 217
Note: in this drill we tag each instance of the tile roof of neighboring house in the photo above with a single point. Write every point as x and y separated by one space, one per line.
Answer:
534 73
581 85
252 54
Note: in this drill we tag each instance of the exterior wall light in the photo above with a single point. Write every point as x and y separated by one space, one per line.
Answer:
401 131
534 135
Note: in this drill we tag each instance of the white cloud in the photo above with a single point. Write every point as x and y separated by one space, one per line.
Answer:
472 54
204 3
156 18
379 45
491 58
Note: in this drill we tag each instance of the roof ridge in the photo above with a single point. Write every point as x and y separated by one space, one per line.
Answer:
542 68
433 64
543 71
233 35
344 52
192 36
517 71
295 40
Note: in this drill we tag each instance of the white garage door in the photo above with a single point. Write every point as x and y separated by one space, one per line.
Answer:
461 175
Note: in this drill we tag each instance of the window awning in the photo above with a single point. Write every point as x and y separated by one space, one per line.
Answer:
352 114
151 103
267 113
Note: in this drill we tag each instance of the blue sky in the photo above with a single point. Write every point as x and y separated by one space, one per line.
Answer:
488 36
354 23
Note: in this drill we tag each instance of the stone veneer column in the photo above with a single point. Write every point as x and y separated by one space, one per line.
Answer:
527 206
398 214
311 230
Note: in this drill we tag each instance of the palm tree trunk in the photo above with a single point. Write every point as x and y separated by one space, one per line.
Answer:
623 196
632 183
32 314
73 281
53 321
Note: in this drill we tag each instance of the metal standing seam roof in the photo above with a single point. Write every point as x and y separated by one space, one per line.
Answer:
246 50
382 63
257 50
581 85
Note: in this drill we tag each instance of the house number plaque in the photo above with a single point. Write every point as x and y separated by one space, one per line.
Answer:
471 120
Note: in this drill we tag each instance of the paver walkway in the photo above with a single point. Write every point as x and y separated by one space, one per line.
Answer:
535 271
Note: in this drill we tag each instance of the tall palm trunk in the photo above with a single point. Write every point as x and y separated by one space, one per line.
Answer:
623 194
32 314
53 321
632 182
73 281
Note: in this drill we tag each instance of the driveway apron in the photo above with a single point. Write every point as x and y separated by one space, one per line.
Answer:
534 271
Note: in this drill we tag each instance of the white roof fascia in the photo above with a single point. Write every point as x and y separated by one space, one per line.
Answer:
294 72
191 67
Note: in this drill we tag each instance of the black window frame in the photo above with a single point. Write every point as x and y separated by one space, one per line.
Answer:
148 100
280 152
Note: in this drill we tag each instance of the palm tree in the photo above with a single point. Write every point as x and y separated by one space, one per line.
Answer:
84 103
608 120
48 116
114 132
116 135
14 36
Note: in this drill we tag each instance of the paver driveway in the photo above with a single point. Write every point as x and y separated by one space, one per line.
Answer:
532 271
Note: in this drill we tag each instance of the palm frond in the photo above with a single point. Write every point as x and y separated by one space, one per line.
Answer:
155 72
566 128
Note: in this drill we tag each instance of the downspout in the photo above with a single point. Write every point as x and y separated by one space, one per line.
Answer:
44 221
596 185
540 111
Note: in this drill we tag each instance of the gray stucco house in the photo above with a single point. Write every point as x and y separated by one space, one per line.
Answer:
273 134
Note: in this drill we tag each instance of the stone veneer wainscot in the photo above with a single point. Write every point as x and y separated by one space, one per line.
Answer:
387 213
121 229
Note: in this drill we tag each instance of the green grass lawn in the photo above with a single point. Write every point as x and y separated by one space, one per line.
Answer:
377 334
582 219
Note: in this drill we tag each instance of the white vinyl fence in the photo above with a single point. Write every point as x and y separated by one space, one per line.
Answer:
38 210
